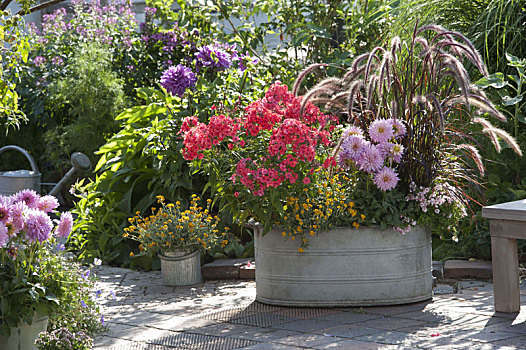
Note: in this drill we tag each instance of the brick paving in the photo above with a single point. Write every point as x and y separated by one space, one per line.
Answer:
223 315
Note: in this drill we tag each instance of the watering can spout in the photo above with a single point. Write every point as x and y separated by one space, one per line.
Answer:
80 162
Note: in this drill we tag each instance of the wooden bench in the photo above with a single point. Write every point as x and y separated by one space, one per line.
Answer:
507 224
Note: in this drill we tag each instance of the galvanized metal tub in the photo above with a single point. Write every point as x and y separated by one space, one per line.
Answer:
344 267
12 182
180 268
23 337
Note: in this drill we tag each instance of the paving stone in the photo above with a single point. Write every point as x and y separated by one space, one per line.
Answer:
311 325
348 317
442 288
349 344
391 323
266 334
391 337
306 340
458 269
267 346
349 331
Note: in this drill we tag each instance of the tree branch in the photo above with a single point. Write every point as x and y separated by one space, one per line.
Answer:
37 7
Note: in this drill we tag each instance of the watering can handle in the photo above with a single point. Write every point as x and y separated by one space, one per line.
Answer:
24 152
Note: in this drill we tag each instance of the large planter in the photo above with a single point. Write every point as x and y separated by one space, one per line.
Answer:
23 337
344 267
180 268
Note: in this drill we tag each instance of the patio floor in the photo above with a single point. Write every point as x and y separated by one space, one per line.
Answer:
223 315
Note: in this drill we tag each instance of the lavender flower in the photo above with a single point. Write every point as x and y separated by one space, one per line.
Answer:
247 60
215 56
47 203
4 238
177 79
386 179
29 197
65 225
395 152
16 212
4 209
354 131
37 226
370 159
351 150
57 61
381 130
398 126
150 11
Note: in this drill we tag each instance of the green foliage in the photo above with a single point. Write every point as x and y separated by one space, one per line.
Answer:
63 339
89 97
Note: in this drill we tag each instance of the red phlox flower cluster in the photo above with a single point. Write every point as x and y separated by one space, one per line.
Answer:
188 123
278 98
258 118
255 178
221 126
295 134
196 140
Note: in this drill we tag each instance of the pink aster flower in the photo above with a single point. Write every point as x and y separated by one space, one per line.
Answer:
38 225
29 197
16 212
352 131
4 238
65 225
47 203
381 130
386 179
370 159
398 126
396 151
4 209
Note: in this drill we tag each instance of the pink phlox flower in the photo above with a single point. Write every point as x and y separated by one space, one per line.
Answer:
37 226
386 179
380 130
65 225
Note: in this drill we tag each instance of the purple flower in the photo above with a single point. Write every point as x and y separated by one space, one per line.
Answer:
177 79
86 274
39 61
16 212
4 209
29 197
83 304
370 159
150 11
4 238
98 293
57 61
47 203
381 130
247 60
352 131
112 293
102 319
214 56
386 179
97 262
399 128
352 147
395 152
65 225
38 225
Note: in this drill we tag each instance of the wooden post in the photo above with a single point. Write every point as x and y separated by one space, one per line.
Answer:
505 274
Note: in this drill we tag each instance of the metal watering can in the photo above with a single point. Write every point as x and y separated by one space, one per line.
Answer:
16 180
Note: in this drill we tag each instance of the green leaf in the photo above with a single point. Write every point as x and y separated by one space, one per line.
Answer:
508 101
138 113
494 80
514 61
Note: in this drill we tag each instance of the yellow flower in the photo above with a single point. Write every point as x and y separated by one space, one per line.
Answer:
356 225
131 254
283 234
300 250
362 216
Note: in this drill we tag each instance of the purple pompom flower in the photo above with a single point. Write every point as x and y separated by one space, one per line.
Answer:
177 79
381 130
4 209
38 225
386 179
214 56
16 212
29 197
39 61
4 238
65 225
352 131
398 126
47 203
370 159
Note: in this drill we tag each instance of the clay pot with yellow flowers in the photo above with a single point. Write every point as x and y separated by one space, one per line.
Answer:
178 235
